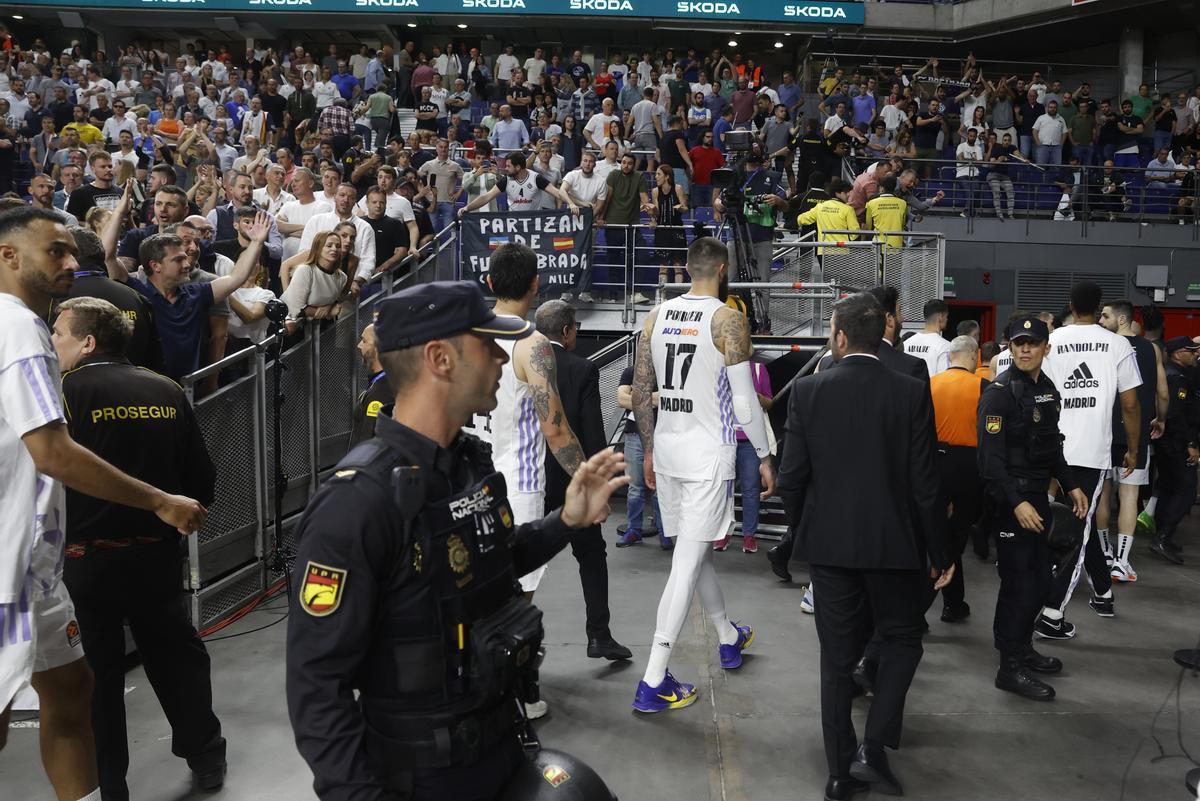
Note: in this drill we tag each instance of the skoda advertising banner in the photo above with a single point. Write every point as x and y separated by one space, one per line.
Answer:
794 11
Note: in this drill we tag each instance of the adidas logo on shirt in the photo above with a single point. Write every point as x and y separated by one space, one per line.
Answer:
1082 378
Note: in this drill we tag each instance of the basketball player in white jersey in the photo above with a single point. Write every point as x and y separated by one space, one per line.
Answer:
529 414
930 346
39 637
523 189
699 350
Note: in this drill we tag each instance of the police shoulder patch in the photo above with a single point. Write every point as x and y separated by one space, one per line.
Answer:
992 423
321 590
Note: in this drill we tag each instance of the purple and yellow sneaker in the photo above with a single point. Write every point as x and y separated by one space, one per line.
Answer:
731 655
671 694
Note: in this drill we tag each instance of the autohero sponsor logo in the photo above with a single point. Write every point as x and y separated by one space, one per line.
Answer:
507 4
388 3
814 12
707 9
601 5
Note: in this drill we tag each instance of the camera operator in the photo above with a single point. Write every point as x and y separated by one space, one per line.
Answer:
752 197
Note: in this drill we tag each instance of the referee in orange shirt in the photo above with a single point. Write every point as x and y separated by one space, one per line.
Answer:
955 398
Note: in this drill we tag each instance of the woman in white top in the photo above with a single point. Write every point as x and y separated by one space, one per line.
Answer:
249 307
317 287
977 122
347 233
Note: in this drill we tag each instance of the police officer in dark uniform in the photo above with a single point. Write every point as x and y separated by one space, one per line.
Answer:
1176 450
92 281
124 564
406 575
377 394
1020 450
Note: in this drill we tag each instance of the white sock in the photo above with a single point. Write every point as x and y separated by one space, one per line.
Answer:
94 795
1124 544
713 601
1050 497
1151 505
687 563
1053 614
1106 595
1105 545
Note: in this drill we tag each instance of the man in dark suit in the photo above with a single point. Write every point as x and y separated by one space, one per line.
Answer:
862 427
579 388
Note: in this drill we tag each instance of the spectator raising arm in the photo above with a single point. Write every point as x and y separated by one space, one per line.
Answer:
247 263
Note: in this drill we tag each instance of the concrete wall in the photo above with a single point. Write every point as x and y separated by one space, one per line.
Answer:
1003 250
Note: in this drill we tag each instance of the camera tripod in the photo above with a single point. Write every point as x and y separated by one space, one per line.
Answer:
747 264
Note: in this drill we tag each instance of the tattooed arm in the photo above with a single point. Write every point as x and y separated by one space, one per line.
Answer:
541 374
731 335
642 392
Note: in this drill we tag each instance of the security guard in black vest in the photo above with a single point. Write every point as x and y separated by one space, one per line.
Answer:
1020 450
123 564
1175 452
406 575
377 394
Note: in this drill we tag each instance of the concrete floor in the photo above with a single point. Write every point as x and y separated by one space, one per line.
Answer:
755 733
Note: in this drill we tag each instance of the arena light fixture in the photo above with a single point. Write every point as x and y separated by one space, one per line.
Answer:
779 44
462 25
17 16
733 42
411 24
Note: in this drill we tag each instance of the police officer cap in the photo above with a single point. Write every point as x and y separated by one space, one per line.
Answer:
1028 327
1181 343
438 310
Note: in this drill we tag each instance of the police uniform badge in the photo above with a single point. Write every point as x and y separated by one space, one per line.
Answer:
992 423
555 776
1037 414
1182 393
418 560
460 557
321 591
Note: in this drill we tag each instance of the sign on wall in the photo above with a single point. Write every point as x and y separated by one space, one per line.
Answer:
788 11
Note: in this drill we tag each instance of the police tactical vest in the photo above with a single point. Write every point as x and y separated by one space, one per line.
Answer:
1033 436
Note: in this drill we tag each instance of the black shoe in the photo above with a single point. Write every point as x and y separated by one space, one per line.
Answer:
1173 546
208 769
871 765
864 674
1102 606
1054 629
955 614
844 789
607 648
779 565
1042 663
1016 678
1159 547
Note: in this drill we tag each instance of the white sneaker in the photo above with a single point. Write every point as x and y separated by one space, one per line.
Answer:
1123 572
537 709
567 296
639 298
586 297
806 603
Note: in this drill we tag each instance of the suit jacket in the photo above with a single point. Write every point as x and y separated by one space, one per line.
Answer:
579 387
894 358
857 475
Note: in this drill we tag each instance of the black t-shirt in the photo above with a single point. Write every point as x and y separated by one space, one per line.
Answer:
627 381
424 223
925 136
431 123
1166 122
101 115
390 234
1143 353
88 196
670 151
1001 167
1108 134
1124 140
1029 115
350 161
519 111
274 105
144 349
579 70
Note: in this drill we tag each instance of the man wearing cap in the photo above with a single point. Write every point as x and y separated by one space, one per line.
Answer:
1176 451
1020 450
410 647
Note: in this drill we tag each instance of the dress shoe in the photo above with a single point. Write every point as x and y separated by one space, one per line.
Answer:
955 614
844 789
607 648
208 769
870 764
779 563
864 674
1159 547
1014 677
1041 663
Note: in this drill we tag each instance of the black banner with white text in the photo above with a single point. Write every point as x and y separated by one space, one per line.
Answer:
561 240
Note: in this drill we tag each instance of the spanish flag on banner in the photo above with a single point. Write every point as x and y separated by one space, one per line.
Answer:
564 242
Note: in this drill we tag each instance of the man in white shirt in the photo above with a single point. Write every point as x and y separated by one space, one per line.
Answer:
325 91
272 196
226 154
41 642
364 243
968 154
586 187
121 120
506 62
930 346
254 157
398 207
126 87
1049 130
294 214
893 117
125 151
610 162
534 65
97 85
596 132
1161 169
1092 368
